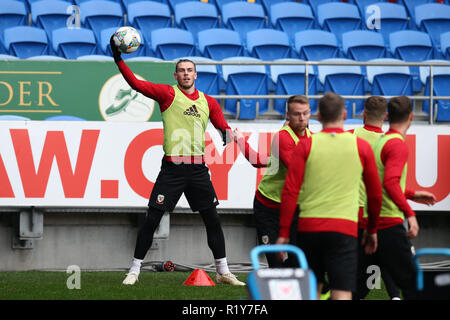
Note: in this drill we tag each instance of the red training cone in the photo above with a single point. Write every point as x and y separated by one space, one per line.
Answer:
199 278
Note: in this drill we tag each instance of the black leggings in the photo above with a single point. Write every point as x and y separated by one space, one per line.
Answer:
214 233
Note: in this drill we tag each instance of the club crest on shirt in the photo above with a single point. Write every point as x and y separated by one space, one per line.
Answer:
160 199
265 239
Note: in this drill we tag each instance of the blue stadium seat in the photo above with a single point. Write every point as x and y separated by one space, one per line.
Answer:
148 16
46 58
315 45
390 80
172 43
344 80
245 79
51 15
13 117
434 18
268 44
98 15
363 45
411 46
290 80
268 3
218 44
393 17
339 17
24 41
207 76
12 13
196 16
64 118
441 87
95 57
105 47
142 58
221 3
72 43
314 4
174 3
291 17
7 57
362 4
243 17
445 45
410 5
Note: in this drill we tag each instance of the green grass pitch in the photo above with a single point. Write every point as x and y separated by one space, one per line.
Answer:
107 285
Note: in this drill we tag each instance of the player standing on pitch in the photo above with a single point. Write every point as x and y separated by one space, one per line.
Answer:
266 204
185 112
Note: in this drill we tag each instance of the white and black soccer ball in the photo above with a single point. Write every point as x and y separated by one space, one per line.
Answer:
127 39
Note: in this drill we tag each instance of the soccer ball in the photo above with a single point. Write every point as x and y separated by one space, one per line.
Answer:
127 39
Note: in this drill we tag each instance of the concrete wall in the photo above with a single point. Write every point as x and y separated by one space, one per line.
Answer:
106 240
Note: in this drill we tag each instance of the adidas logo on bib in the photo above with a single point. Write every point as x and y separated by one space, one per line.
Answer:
192 111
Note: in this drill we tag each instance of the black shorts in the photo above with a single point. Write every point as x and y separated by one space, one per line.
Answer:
333 253
174 179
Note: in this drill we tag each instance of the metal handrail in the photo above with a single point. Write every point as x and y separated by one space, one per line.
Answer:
430 97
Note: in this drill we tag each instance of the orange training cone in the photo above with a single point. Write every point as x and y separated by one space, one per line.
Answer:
199 278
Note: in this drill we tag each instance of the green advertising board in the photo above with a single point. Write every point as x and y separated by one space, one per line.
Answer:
92 90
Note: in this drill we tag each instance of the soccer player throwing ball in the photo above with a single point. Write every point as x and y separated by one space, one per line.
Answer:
185 114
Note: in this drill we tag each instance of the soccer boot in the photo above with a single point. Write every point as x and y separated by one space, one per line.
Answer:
228 278
132 278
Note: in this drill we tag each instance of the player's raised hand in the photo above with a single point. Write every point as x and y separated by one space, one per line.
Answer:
115 51
424 197
237 134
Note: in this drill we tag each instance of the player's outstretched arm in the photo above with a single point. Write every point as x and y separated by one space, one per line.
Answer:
255 158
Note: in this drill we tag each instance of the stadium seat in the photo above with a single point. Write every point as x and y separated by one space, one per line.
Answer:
445 45
196 16
105 47
221 3
362 4
208 77
13 117
393 17
173 3
95 57
434 18
72 43
338 17
64 118
441 87
410 6
24 41
148 16
291 17
218 44
245 80
390 80
315 45
46 58
268 3
268 44
412 46
142 58
243 17
51 15
343 80
7 57
172 43
363 45
99 15
290 80
314 4
12 13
